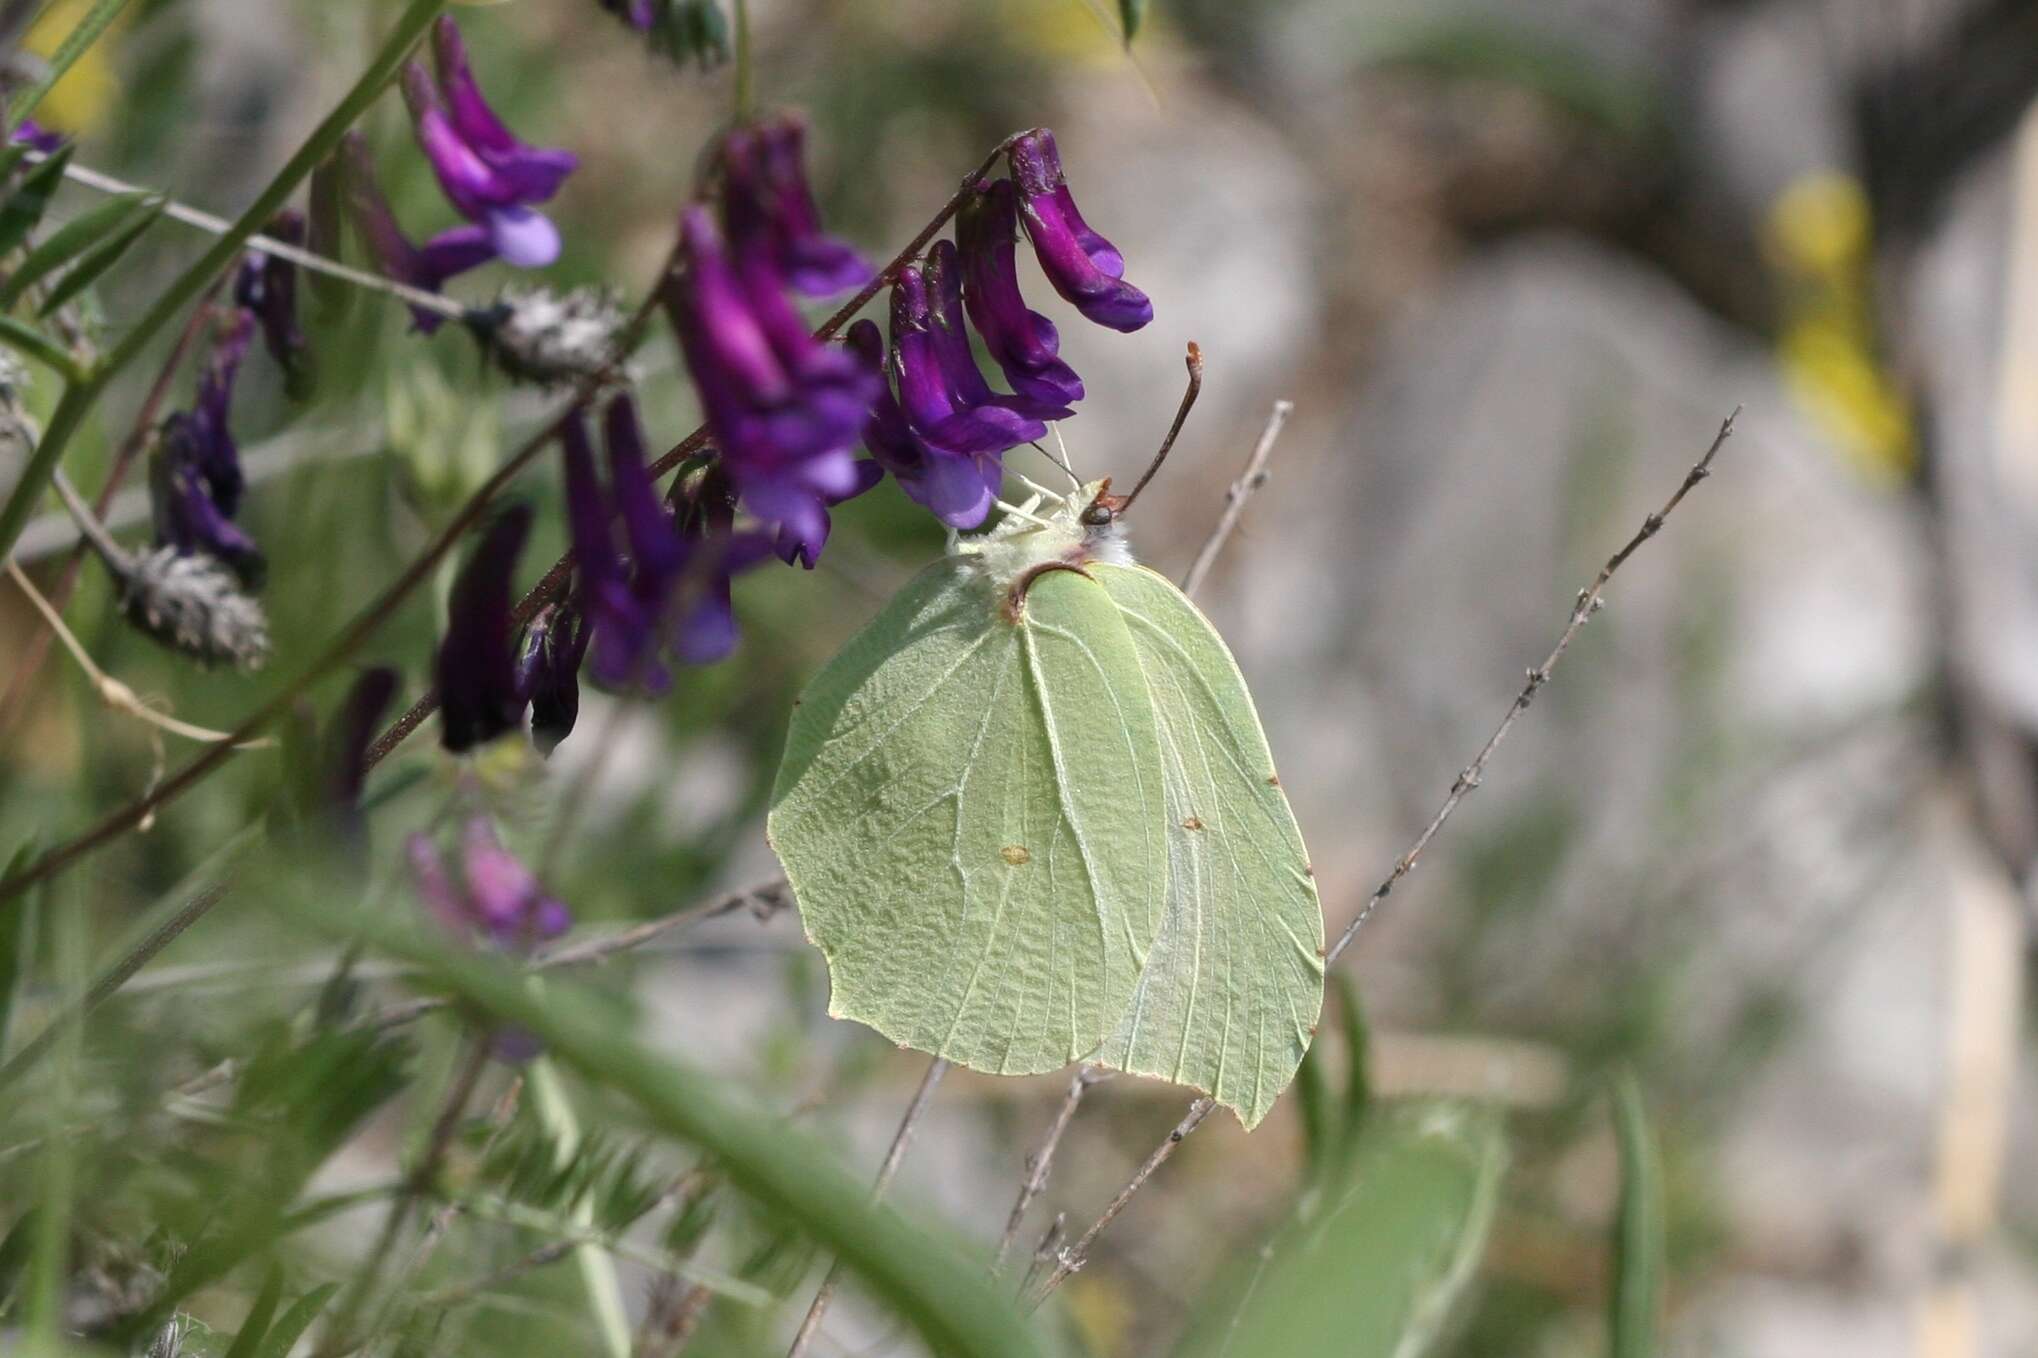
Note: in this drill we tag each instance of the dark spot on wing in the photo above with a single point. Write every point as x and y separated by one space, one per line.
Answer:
1015 854
1193 823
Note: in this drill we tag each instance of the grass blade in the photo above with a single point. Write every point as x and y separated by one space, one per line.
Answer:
67 242
100 258
25 207
1635 1300
280 1340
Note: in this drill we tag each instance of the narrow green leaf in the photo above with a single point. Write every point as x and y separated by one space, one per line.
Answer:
1320 1133
1635 1300
17 944
67 242
249 1341
25 207
1358 1074
14 1248
1131 14
100 258
11 156
26 339
296 1321
934 1285
1379 1265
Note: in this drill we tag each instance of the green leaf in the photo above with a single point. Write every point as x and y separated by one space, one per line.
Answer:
1378 1267
934 1285
68 241
26 205
248 1342
295 1321
1131 14
25 338
1635 1300
17 944
1358 1074
101 258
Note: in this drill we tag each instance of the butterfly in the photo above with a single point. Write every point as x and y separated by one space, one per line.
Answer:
1030 818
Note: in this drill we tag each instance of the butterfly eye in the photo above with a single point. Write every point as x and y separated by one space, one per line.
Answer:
1096 516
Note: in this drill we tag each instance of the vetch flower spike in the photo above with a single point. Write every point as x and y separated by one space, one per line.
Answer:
1083 266
1023 343
784 411
476 669
770 210
958 488
195 476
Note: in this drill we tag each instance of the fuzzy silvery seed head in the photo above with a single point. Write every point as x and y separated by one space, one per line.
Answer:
541 336
194 604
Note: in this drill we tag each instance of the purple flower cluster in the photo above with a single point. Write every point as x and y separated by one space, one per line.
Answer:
195 477
936 424
496 899
490 176
784 410
666 588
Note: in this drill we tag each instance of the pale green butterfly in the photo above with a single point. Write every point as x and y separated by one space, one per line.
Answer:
1030 818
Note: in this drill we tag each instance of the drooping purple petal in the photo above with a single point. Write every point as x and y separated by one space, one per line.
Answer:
451 252
924 386
958 488
344 758
1082 265
503 896
476 669
428 872
965 381
532 174
771 210
1023 343
548 671
28 132
185 513
267 286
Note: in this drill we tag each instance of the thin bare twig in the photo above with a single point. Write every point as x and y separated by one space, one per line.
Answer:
1249 481
1041 1162
811 1326
1587 604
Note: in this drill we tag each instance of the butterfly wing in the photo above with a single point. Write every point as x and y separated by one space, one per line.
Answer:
969 814
1234 983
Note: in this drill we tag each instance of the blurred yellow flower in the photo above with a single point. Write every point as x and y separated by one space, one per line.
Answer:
1818 240
86 94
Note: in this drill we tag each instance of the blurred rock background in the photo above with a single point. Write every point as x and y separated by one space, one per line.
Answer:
1768 836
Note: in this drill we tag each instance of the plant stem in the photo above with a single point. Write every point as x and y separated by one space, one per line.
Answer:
744 106
79 399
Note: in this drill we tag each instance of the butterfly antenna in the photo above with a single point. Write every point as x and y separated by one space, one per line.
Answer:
1065 462
1195 365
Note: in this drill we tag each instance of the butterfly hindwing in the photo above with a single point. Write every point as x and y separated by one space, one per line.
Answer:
1234 983
969 814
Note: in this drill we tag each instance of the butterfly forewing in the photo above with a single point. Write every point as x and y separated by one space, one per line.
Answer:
970 815
1234 983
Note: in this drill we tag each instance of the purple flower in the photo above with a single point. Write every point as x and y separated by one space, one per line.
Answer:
476 669
957 487
1083 266
770 210
452 251
195 478
490 176
784 410
496 901
344 757
1023 343
267 286
548 671
959 370
28 132
928 381
671 590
